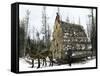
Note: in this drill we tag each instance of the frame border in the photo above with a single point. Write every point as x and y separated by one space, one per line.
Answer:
16 63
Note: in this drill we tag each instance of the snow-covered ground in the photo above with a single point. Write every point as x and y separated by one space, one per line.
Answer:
25 65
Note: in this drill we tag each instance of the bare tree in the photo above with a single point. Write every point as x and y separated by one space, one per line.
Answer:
73 21
45 28
91 30
67 19
26 29
79 21
48 36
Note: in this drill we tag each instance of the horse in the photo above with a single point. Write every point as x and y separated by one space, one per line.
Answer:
44 54
40 55
32 55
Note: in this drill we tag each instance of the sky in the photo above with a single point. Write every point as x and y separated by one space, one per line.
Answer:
35 17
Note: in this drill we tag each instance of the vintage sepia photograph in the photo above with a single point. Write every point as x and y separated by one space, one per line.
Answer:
56 37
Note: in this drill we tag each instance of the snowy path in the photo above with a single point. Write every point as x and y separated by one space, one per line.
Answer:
24 66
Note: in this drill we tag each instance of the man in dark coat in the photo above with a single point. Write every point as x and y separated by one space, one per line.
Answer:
69 56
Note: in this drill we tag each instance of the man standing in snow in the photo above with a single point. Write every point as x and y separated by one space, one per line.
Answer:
69 56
